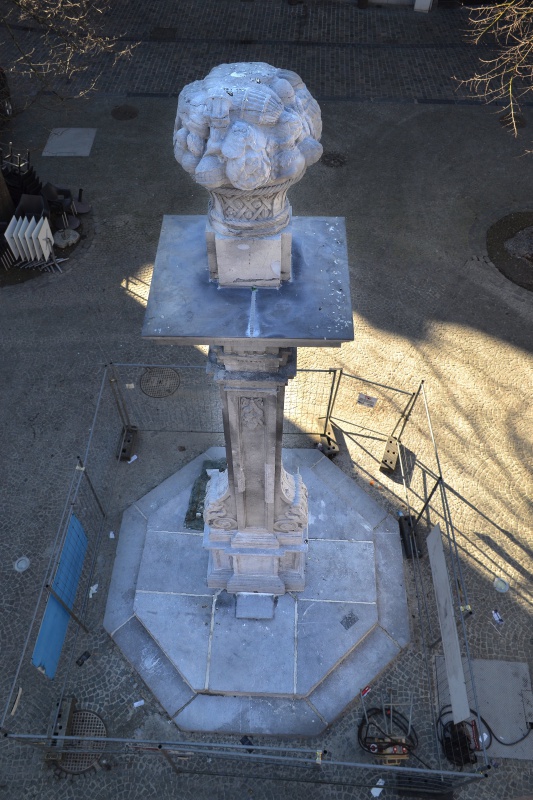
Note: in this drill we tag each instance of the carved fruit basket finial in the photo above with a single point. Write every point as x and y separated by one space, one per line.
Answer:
247 132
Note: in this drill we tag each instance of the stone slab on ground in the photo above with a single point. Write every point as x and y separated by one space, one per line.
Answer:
501 689
242 672
345 488
359 669
155 669
340 571
252 605
125 569
164 554
389 556
339 626
272 716
332 521
70 142
253 656
180 624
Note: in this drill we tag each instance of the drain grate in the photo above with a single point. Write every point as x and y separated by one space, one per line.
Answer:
159 381
125 112
349 620
84 723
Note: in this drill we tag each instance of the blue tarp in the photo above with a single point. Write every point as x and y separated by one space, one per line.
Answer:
65 584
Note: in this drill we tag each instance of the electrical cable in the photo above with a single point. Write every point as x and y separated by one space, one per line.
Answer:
421 760
444 712
401 722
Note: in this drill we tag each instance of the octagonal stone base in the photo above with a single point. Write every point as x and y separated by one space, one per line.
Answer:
288 665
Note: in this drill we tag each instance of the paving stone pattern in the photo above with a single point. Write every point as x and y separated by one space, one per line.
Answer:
341 51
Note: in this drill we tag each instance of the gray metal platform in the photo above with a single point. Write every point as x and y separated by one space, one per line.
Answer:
311 310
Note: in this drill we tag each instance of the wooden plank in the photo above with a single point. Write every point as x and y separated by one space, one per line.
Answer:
448 627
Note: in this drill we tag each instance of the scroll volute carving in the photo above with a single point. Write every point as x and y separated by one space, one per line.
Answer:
217 507
294 515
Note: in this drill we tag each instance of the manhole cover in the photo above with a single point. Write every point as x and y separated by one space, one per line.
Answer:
82 755
22 564
510 247
125 112
159 381
333 159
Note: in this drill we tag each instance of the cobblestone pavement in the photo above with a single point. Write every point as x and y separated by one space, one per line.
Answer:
420 185
342 52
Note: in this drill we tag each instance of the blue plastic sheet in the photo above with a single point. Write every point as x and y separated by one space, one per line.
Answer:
55 621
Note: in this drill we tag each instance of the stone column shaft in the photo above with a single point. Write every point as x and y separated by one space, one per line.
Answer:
256 512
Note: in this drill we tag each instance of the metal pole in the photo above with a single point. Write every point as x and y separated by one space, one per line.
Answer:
364 706
375 383
190 746
67 609
332 396
119 400
428 501
171 763
406 413
93 490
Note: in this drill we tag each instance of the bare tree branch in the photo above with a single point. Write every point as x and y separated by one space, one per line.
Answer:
507 75
66 38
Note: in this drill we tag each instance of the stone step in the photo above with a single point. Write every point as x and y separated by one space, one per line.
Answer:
147 658
260 713
250 715
126 567
290 674
361 666
347 489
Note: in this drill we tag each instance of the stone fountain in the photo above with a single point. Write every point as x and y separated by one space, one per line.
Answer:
274 618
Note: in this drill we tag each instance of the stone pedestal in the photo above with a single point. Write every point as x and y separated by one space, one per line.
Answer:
249 261
251 663
247 133
249 236
255 512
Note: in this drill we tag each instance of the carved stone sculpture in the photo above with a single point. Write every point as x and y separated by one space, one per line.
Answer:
247 132
247 126
255 512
